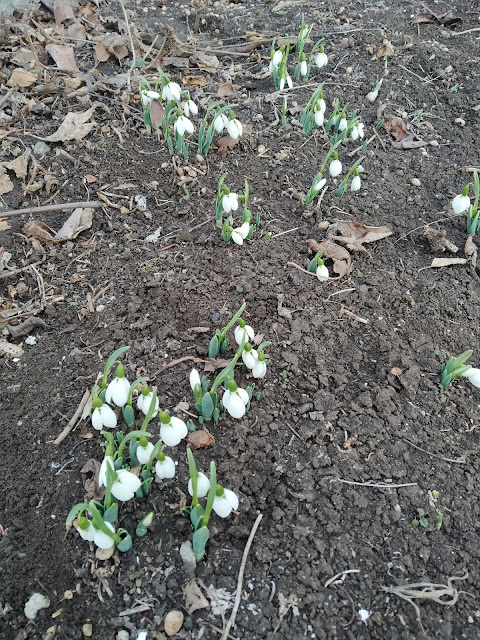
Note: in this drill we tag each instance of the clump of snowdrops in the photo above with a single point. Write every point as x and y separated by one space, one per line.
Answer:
227 205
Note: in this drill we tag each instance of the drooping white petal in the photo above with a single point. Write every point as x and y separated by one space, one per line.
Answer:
245 398
303 68
250 358
321 59
343 124
319 118
102 540
165 468
236 237
319 185
109 419
203 485
356 183
102 474
173 432
97 421
260 369
235 406
473 375
460 203
194 379
335 168
322 273
289 82
117 391
125 485
242 333
143 453
219 124
87 534
224 505
179 126
144 402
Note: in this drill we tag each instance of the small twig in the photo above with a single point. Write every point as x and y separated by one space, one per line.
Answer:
74 419
41 286
282 233
94 204
461 33
336 293
101 292
14 272
379 485
464 169
339 575
297 434
294 264
461 460
134 58
352 315
352 617
238 596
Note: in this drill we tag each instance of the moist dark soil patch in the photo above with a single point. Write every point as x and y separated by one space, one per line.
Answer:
332 379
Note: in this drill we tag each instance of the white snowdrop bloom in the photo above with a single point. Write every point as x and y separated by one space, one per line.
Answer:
460 203
118 389
322 273
102 474
250 357
371 96
343 124
220 122
243 332
240 233
364 615
103 540
189 107
321 60
148 96
172 430
335 168
275 61
473 375
303 33
126 485
303 68
235 128
319 118
319 184
321 105
358 131
203 485
144 402
183 125
356 183
143 453
88 533
289 82
260 369
103 417
165 469
235 402
230 202
335 119
194 379
225 502
171 91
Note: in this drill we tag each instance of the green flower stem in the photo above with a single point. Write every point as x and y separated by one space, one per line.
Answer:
211 494
151 409
155 453
223 332
476 187
129 436
110 439
192 470
110 362
133 386
352 168
226 373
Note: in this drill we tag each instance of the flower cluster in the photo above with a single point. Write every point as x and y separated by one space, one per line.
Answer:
227 204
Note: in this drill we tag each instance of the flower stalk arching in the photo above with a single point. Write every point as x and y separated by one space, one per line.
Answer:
313 191
113 359
211 494
343 185
219 343
96 517
206 133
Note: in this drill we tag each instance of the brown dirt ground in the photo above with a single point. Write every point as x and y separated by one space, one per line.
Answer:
330 375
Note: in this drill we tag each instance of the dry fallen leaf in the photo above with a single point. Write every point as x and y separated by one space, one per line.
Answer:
471 250
63 56
226 144
386 49
90 471
21 78
438 241
200 439
78 221
446 19
404 139
205 62
194 598
19 165
226 89
157 111
10 350
342 260
74 127
6 185
446 262
62 12
212 364
396 371
354 234
111 44
39 229
101 52
4 226
195 81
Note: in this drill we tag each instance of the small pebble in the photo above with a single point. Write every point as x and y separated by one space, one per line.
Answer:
460 122
173 622
433 143
416 182
87 630
199 158
324 224
261 149
349 70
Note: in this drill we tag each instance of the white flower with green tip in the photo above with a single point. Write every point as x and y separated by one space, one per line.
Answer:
125 485
183 125
235 128
171 91
203 485
144 452
164 467
225 502
119 388
322 273
102 539
103 416
172 430
240 233
235 400
230 202
460 203
144 401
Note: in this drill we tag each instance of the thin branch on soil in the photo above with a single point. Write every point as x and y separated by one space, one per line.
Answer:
428 591
336 293
238 596
455 215
470 169
134 58
101 292
352 315
339 575
74 419
94 204
294 264
352 617
215 628
41 287
461 33
461 460
282 233
297 434
379 485
14 272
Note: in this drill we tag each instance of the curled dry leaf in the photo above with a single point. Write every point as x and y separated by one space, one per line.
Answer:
342 260
446 19
19 165
282 311
4 226
110 44
10 350
226 89
386 49
21 78
157 111
200 439
74 127
63 56
78 221
226 144
195 81
6 185
194 598
438 241
404 139
447 262
90 472
205 62
354 234
471 250
212 364
62 12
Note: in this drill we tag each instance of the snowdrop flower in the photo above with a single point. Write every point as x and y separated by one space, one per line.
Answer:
319 118
275 61
182 125
85 528
343 124
126 485
473 375
165 467
243 332
319 184
356 182
119 388
171 91
289 82
147 97
335 166
103 416
203 485
102 474
102 539
144 451
321 105
230 202
321 59
172 430
303 68
461 202
225 502
194 379
235 128
357 131
322 273
249 356
260 368
235 400
373 95
189 107
303 33
240 233
220 122
144 401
